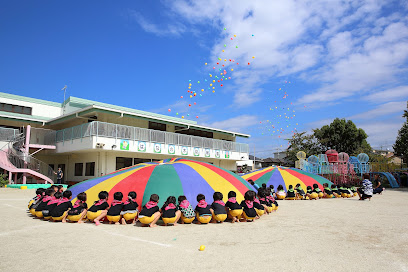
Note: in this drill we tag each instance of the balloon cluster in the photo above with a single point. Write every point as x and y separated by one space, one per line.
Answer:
281 116
219 75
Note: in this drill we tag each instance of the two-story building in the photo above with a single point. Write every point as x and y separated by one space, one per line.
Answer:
88 139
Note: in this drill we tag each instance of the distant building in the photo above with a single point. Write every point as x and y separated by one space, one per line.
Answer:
250 163
279 155
382 152
394 159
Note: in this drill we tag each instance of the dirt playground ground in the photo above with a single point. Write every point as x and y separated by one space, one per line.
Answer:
322 235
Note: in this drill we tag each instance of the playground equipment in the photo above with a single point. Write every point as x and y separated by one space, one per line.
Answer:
301 163
340 168
313 164
391 179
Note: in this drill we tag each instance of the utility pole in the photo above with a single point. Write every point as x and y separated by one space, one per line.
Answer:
63 105
253 168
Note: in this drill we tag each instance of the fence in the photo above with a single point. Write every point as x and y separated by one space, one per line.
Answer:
108 130
8 134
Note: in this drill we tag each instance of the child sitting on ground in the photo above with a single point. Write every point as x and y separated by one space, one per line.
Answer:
291 195
170 214
310 194
203 210
317 190
54 187
218 207
39 194
99 208
249 212
115 209
233 208
187 212
335 191
353 190
150 212
272 200
60 188
51 205
300 194
60 212
129 210
49 195
280 194
327 191
79 209
259 208
263 200
272 188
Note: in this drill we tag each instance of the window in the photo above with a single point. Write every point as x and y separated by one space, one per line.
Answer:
194 132
122 162
90 169
137 161
15 108
157 126
79 167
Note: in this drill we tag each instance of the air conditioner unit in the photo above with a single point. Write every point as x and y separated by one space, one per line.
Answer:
100 145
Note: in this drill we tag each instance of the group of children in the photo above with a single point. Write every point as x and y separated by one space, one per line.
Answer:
55 204
312 192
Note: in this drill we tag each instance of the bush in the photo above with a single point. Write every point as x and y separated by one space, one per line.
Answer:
3 180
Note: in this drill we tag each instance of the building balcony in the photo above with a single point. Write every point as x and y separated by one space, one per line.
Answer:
107 136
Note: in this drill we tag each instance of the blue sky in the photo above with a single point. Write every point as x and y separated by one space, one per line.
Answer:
344 59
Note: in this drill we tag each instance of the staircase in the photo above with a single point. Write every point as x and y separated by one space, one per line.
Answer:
15 160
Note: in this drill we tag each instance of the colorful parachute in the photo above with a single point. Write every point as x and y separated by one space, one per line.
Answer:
276 175
169 177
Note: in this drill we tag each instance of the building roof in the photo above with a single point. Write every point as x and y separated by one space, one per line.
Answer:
29 99
273 160
251 158
81 106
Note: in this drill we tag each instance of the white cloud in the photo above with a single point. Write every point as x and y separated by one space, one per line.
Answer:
344 48
382 133
389 94
378 61
336 44
236 124
382 110
340 45
319 123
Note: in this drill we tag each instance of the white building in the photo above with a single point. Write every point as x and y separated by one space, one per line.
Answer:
89 139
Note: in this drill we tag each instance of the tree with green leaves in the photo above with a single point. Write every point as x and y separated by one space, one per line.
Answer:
303 142
343 136
401 144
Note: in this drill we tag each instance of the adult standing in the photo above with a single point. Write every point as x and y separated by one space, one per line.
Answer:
366 189
378 186
60 175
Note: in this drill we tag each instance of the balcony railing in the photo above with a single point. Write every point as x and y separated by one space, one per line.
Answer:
8 134
108 130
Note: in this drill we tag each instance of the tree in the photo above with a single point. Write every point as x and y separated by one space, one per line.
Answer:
401 144
343 136
303 142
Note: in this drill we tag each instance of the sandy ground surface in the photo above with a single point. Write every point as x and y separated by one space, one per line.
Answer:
322 235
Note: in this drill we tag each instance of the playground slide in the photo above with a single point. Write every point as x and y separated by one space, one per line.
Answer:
8 166
393 182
